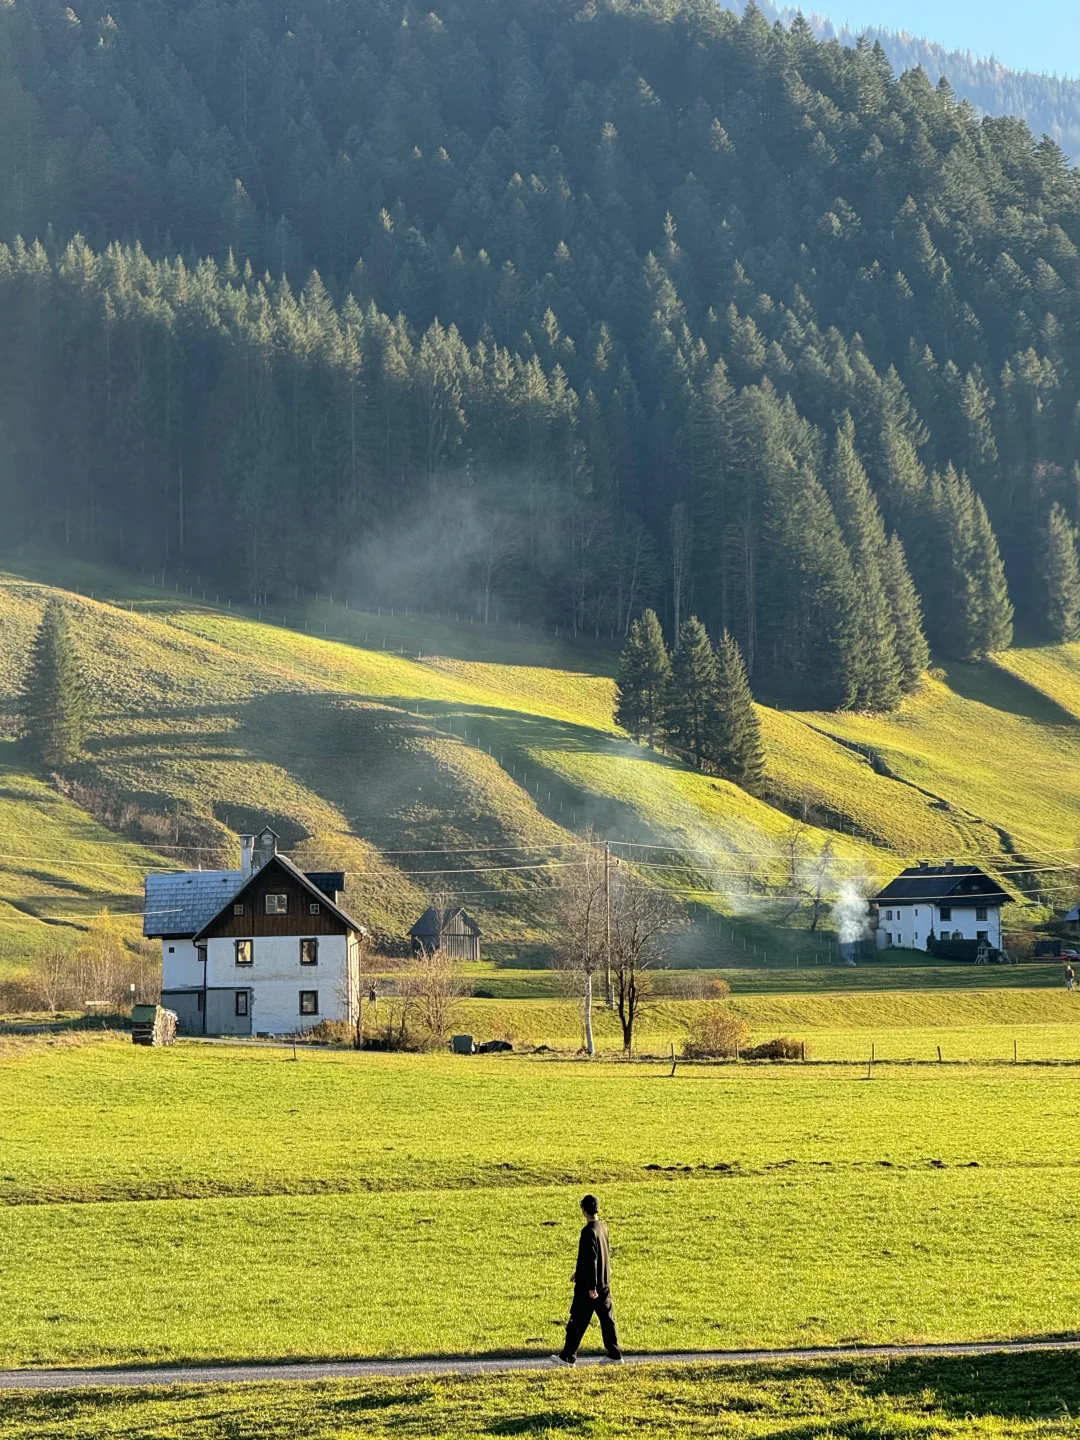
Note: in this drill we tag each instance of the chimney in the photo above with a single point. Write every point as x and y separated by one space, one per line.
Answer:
924 864
247 844
265 848
948 866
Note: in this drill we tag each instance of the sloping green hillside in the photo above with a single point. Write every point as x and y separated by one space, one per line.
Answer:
423 753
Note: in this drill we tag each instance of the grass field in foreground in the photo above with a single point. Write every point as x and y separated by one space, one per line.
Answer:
781 1259
997 1396
349 1204
988 1396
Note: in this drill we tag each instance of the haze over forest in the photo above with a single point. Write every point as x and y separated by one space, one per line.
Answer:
562 309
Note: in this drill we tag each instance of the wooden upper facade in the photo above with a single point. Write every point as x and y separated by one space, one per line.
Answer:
278 899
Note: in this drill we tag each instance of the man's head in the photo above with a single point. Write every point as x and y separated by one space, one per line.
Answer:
589 1206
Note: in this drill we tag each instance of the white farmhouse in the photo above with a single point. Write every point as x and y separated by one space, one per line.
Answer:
952 902
266 949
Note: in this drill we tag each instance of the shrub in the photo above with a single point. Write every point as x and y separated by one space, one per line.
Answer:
716 1034
689 985
784 1047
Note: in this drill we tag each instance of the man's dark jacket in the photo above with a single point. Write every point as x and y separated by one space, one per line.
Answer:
593 1271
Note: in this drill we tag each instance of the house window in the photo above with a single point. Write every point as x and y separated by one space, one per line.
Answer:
981 935
200 954
888 937
243 952
888 914
309 952
238 908
172 949
313 908
980 912
309 1002
946 912
241 1002
277 904
200 1001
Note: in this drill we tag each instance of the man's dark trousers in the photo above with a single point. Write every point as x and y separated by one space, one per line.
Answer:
582 1309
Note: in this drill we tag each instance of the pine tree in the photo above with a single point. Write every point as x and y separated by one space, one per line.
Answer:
693 692
1060 574
878 684
644 674
912 651
55 705
994 622
733 731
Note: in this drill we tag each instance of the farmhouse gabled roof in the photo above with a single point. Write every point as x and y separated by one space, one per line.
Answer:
943 882
441 922
295 873
184 903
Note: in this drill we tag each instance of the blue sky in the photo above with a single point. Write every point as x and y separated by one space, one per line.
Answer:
1035 35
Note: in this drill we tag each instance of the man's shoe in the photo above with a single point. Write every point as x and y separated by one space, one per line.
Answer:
611 1360
559 1359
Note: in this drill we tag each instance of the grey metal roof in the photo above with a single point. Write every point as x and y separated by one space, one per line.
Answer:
943 882
183 902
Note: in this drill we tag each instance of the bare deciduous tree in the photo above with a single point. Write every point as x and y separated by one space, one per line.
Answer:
351 990
436 986
642 917
52 976
581 917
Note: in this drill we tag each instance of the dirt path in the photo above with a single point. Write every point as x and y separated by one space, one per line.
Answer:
369 1369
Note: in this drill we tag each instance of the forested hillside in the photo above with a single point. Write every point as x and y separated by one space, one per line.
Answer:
551 309
1050 104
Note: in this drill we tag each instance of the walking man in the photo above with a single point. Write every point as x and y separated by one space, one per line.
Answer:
592 1288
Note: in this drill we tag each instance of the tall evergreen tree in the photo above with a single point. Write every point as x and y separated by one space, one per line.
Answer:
641 690
55 704
1060 575
733 731
693 692
912 651
878 665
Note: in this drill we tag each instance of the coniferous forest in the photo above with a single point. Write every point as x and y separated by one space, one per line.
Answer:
551 309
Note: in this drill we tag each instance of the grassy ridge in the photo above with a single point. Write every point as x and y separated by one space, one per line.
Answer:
502 741
985 1396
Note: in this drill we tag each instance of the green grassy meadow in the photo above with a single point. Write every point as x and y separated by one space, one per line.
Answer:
226 1202
987 1396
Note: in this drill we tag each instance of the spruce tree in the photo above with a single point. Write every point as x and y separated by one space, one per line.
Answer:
912 651
55 705
733 731
641 690
878 666
994 622
1060 574
693 691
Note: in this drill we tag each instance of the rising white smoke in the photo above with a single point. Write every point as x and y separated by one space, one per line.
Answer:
851 916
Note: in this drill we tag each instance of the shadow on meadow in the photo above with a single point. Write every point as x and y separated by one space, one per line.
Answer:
1000 689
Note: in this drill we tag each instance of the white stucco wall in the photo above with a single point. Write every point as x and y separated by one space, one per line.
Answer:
911 924
181 969
275 978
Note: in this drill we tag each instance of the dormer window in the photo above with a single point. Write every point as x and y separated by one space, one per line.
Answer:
277 904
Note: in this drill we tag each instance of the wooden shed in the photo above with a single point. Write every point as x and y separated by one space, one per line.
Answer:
450 929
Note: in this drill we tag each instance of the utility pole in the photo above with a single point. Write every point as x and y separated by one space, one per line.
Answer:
607 925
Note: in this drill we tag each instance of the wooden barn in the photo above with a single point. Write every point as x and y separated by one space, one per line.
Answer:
450 929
